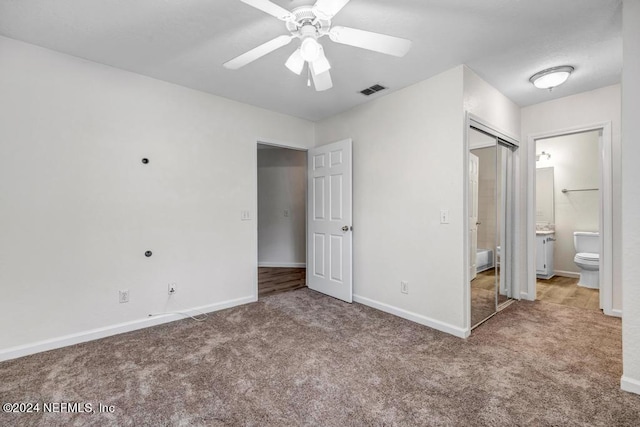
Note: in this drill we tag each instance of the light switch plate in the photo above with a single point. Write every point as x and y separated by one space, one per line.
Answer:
444 216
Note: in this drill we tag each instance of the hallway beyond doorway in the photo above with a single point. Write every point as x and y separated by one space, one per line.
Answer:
272 280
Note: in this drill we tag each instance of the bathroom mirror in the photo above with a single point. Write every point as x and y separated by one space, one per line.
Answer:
544 196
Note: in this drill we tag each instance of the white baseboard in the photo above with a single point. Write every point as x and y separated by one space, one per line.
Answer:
562 273
414 317
613 312
525 296
283 264
94 334
630 385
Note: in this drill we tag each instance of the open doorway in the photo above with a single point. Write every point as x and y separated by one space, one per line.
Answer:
567 200
281 215
314 195
599 189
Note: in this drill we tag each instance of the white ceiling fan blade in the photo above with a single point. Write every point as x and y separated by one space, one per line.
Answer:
271 8
372 41
258 52
295 62
321 64
322 81
327 9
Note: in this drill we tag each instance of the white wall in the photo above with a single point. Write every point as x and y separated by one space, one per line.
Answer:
585 109
486 102
575 162
631 197
408 159
282 183
79 209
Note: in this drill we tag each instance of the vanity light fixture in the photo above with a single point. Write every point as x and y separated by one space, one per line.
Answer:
551 77
543 154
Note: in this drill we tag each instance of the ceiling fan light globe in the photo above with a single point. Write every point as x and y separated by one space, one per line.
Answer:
310 49
295 63
321 64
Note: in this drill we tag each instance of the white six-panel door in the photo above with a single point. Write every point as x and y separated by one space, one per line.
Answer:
329 212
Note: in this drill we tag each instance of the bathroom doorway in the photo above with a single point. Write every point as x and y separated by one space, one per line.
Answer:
570 199
490 221
567 219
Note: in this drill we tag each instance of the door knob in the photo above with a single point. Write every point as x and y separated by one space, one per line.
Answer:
345 228
478 223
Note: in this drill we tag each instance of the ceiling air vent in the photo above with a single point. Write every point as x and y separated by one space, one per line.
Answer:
371 90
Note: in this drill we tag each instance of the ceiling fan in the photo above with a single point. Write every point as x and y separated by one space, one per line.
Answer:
310 23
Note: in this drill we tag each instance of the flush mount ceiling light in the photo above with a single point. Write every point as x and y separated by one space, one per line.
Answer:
551 77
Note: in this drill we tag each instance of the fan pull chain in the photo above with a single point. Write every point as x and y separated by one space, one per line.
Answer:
308 76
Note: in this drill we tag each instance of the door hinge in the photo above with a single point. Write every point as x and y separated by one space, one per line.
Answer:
545 266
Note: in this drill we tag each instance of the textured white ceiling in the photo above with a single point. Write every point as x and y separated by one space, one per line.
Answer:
187 41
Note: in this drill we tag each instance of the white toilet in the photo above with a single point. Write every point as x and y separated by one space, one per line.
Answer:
587 258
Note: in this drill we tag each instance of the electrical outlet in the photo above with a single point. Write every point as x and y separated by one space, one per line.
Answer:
286 213
404 287
245 215
123 296
172 288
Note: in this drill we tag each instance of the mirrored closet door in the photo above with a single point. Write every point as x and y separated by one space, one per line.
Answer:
490 221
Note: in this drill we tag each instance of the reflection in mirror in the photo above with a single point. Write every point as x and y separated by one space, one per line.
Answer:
482 224
544 196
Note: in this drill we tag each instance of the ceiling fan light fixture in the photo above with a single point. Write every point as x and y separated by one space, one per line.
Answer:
551 77
295 62
308 24
310 49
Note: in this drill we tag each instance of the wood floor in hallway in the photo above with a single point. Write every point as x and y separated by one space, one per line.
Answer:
272 280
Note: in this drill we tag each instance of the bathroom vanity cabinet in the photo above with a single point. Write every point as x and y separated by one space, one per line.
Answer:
544 254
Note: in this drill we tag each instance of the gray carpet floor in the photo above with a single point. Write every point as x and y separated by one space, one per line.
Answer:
301 358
